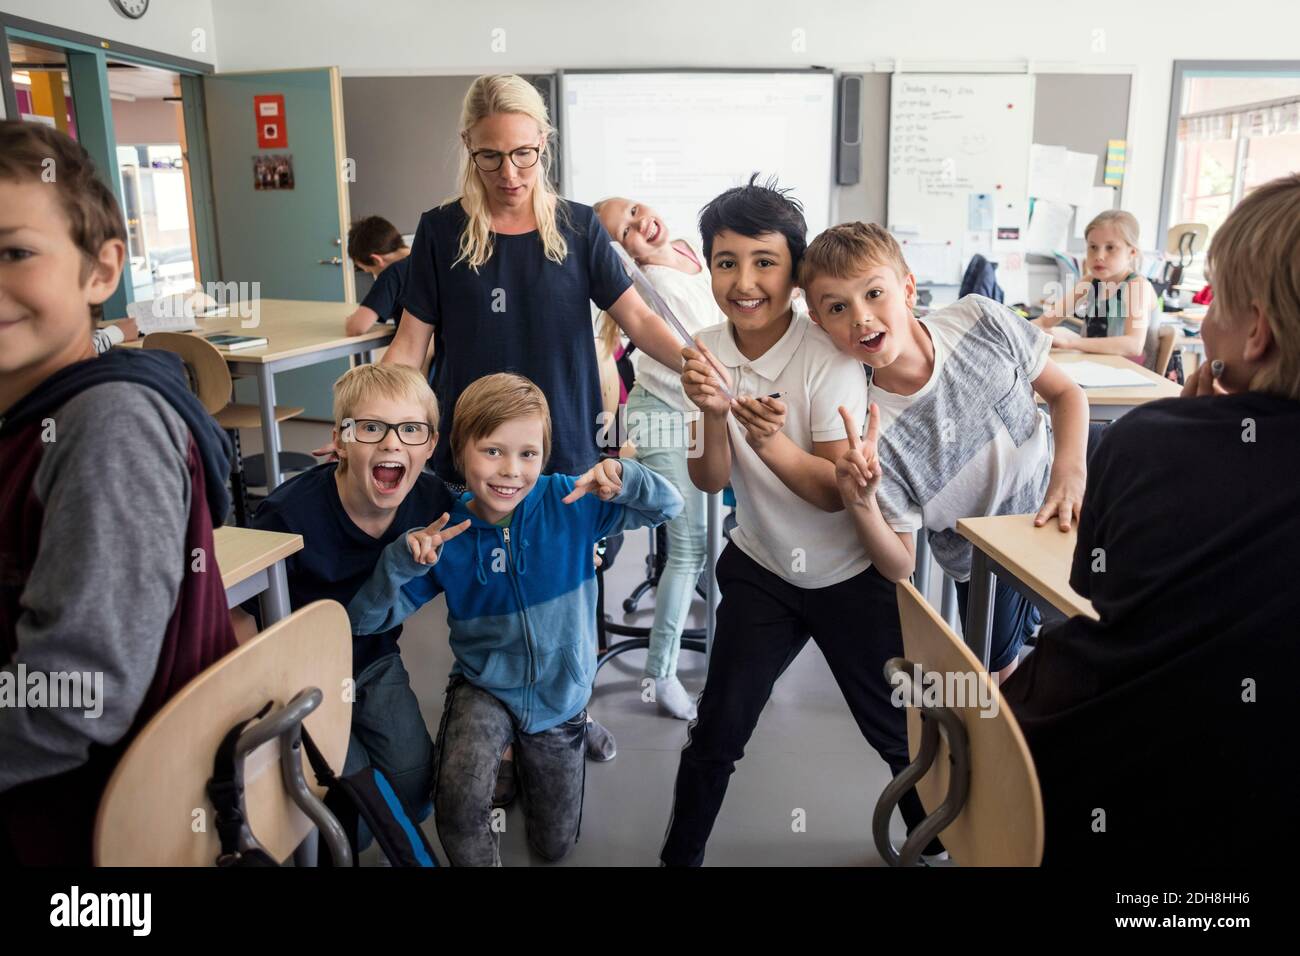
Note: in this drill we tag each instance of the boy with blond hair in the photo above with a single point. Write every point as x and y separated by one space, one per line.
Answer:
514 559
385 428
112 477
1170 712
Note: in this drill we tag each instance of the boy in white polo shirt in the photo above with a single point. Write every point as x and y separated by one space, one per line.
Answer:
792 569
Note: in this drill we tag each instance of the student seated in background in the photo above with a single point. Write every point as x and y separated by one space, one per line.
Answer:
377 249
514 560
960 433
1164 731
791 570
1118 306
112 477
348 511
108 334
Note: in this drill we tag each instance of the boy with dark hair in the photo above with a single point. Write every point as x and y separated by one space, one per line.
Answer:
112 466
791 570
377 249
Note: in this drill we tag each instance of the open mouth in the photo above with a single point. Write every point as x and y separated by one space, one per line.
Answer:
388 476
505 492
872 342
653 233
748 306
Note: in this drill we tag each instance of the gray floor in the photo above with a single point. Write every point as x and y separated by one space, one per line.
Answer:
803 795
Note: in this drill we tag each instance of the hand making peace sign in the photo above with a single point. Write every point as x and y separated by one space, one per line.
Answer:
858 471
424 544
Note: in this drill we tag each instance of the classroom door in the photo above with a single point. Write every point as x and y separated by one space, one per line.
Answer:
278 160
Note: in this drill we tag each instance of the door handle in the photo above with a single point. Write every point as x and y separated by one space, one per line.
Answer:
332 261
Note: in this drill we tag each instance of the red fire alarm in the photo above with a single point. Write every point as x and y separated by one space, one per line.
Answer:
268 108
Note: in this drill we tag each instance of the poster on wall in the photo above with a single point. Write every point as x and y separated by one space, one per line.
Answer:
268 108
273 171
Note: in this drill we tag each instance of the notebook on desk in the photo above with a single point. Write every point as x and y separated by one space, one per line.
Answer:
1095 375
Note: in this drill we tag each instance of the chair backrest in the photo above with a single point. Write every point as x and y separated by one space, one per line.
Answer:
208 371
1001 823
1200 234
155 809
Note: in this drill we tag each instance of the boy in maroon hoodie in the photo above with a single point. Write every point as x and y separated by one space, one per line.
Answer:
113 477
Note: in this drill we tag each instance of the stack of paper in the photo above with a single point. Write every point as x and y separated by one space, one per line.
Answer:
1095 375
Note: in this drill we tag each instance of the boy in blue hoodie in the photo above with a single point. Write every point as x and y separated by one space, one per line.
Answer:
521 605
112 479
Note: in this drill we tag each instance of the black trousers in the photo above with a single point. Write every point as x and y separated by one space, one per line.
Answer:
763 622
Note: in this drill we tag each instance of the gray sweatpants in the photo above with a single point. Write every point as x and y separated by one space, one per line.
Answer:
550 766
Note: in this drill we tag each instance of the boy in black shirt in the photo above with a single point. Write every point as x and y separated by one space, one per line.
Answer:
377 249
385 428
1163 727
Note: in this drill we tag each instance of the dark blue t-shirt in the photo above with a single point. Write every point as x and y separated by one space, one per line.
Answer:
337 557
385 295
521 313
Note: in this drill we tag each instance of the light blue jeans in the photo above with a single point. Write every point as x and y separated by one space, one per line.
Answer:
661 434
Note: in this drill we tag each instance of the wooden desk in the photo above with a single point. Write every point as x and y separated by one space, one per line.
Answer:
1033 561
252 564
297 333
1108 404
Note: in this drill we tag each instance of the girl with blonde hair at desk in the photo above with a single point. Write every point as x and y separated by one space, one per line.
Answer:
1117 305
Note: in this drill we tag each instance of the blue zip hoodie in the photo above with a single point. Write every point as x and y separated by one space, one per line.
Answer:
521 601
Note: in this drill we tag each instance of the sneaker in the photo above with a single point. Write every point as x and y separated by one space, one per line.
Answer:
504 795
673 698
600 742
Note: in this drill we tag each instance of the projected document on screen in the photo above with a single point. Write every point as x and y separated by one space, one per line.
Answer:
676 140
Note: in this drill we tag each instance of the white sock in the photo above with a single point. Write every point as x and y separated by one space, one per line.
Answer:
673 698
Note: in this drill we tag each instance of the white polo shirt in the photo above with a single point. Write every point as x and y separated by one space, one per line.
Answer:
793 539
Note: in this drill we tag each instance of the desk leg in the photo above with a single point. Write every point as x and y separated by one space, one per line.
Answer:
365 358
921 577
979 610
714 533
275 599
949 606
270 429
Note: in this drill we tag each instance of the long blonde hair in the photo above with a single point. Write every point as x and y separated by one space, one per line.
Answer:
506 93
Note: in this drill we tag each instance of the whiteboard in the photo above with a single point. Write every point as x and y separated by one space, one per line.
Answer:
953 136
676 140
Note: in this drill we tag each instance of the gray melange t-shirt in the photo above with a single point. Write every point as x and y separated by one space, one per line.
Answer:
972 442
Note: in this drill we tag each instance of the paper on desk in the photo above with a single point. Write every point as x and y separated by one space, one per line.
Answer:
1047 172
1095 375
1049 226
168 313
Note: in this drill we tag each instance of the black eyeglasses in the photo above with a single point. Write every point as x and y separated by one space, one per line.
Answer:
369 431
490 160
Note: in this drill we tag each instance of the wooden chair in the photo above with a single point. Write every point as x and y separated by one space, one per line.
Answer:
1168 338
978 784
154 803
210 380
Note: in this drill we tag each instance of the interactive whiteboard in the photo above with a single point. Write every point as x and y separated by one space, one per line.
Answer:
676 140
